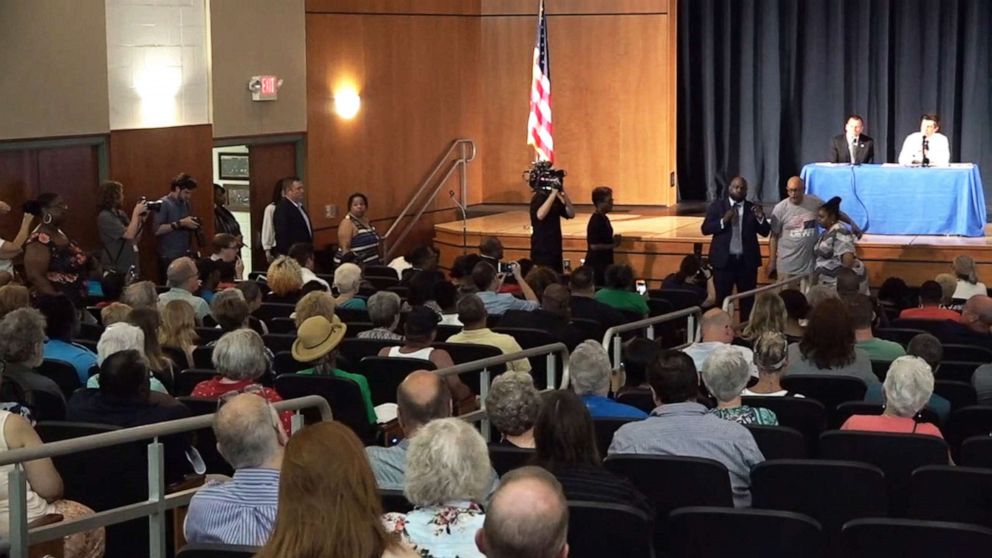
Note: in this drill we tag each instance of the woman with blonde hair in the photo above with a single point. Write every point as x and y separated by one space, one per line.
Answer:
178 329
347 280
329 505
314 303
150 322
285 280
768 314
968 283
13 297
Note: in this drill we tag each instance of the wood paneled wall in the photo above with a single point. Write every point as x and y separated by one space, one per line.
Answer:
145 161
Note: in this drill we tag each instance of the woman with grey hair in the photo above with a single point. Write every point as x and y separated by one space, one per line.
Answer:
512 406
140 295
908 386
22 339
590 373
771 358
240 358
119 337
725 374
448 475
384 312
347 280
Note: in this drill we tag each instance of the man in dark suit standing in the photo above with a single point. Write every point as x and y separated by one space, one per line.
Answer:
735 224
290 220
852 146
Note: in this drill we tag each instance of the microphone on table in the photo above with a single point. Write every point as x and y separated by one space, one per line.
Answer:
926 154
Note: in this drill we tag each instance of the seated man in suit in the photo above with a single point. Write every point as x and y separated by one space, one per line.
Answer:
852 146
291 221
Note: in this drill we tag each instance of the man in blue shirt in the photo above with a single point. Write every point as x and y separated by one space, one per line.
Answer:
589 369
241 511
173 223
488 282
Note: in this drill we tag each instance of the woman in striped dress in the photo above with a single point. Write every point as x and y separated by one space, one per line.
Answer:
358 241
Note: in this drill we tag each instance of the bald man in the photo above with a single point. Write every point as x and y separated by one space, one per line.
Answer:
421 398
526 516
975 327
242 510
717 331
794 232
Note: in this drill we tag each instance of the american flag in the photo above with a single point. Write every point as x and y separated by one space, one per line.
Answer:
539 122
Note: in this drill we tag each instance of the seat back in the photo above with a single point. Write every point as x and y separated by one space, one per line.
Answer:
679 299
528 339
204 439
956 370
343 395
379 271
354 350
270 310
898 334
444 331
590 329
467 352
507 458
283 325
394 501
779 442
187 379
90 332
880 368
597 529
284 363
958 394
910 538
928 326
178 357
976 451
842 490
637 397
708 532
62 373
384 375
203 357
208 334
948 493
831 390
966 422
209 550
969 353
605 428
278 342
847 410
806 415
44 405
348 315
897 455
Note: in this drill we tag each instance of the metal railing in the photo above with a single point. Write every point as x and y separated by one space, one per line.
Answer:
612 335
730 303
483 365
158 501
467 155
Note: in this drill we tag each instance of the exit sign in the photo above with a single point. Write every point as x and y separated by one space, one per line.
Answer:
264 88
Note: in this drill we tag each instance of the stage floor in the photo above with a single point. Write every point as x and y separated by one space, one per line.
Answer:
656 239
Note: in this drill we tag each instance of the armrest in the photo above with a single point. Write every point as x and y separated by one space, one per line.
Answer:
46 519
190 481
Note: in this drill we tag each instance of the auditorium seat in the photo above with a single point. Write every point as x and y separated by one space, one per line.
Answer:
951 493
281 325
958 394
276 342
806 415
505 458
910 538
597 529
707 532
967 353
209 550
270 310
976 451
90 332
203 357
342 395
393 501
779 442
62 373
187 379
966 422
954 370
605 428
637 397
899 335
384 375
831 390
467 352
208 334
679 299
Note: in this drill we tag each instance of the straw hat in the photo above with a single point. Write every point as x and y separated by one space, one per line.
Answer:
316 337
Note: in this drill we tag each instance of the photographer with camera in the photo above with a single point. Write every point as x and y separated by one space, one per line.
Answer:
119 233
548 206
174 226
693 275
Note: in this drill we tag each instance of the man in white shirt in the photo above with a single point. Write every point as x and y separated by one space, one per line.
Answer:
302 252
718 331
927 147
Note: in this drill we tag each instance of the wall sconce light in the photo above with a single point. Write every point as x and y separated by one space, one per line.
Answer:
346 103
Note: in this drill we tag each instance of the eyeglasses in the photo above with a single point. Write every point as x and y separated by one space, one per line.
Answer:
254 389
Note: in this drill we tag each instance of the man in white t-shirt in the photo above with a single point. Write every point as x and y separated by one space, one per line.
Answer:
927 147
717 331
794 232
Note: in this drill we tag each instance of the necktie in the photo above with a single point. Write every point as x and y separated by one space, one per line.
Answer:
736 246
852 145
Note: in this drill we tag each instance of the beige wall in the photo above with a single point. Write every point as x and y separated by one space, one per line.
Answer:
254 37
53 68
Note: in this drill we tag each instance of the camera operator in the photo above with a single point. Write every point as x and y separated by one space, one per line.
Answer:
693 275
174 226
548 206
119 233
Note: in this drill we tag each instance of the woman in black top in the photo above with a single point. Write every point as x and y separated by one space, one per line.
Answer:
599 234
566 447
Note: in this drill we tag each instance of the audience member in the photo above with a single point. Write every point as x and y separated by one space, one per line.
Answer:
566 447
681 426
828 345
717 331
848 282
112 284
303 253
384 313
422 258
927 347
554 316
420 285
975 327
936 403
183 280
118 312
968 283
488 282
347 280
22 338
421 398
314 304
150 322
491 251
908 386
230 310
771 356
253 296
637 354
143 294
526 516
420 329
862 316
461 272
540 278
590 372
240 360
13 297
725 375
512 406
472 313
894 295
317 343
618 291
241 510
446 296
226 247
119 337
930 308
328 502
768 314
210 273
285 280
692 277
948 284
447 480
796 309
61 326
818 293
584 304
178 329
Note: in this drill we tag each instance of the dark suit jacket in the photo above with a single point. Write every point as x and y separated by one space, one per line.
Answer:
750 229
290 226
864 151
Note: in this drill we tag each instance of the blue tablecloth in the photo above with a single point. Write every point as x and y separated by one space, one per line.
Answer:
889 199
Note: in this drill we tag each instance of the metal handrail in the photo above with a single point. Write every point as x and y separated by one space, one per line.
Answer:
156 505
483 365
612 334
730 303
461 162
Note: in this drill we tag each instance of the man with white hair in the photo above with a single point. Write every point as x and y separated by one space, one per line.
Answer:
242 510
590 372
526 516
717 331
183 280
908 386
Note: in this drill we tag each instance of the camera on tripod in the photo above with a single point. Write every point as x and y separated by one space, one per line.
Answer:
542 176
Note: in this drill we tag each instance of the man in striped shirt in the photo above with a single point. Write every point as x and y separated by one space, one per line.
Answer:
242 510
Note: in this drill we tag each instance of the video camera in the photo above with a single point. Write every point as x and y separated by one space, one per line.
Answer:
542 176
